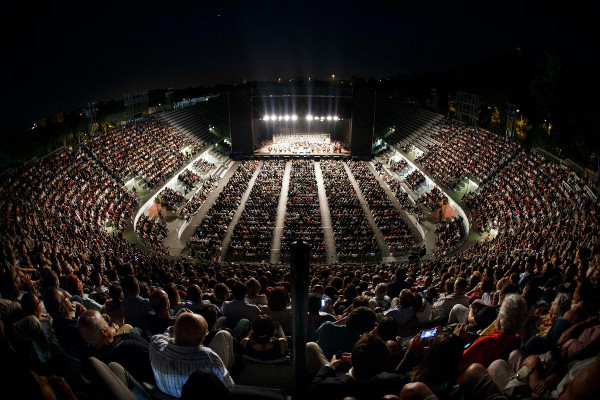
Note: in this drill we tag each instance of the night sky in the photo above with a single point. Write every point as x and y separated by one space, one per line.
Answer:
58 57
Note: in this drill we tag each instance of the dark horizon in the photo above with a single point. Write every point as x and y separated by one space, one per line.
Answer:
63 57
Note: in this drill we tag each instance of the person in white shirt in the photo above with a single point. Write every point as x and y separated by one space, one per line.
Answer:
178 353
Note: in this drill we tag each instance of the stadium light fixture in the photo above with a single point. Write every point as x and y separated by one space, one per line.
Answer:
274 117
309 117
286 117
329 118
336 118
294 117
266 118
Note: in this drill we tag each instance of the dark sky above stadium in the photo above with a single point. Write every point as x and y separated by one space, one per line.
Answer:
58 57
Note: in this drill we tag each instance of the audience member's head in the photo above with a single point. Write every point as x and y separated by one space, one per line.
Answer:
361 320
94 329
369 357
512 314
189 330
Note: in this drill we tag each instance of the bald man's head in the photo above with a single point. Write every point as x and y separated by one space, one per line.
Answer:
190 330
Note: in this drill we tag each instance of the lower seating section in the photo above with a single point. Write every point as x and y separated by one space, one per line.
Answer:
303 213
152 231
396 233
253 234
353 235
206 244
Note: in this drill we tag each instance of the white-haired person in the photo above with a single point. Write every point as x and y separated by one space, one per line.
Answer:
504 339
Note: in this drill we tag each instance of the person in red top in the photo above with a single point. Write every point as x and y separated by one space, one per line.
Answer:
498 344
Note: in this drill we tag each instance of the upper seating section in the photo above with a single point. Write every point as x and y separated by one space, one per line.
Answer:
150 149
404 124
204 121
472 151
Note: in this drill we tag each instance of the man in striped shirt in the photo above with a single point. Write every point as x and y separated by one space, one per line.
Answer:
175 358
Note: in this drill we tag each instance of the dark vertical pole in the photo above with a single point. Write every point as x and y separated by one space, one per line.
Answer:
299 265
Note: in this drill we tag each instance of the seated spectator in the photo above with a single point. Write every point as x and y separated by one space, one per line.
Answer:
439 367
161 320
179 352
366 378
112 307
74 286
221 341
316 317
334 338
64 315
135 308
443 306
128 349
253 296
380 301
506 338
263 341
402 310
236 309
278 308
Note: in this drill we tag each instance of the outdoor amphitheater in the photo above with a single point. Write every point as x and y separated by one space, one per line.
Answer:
260 244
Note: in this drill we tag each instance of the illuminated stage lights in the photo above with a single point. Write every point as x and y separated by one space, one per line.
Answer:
294 117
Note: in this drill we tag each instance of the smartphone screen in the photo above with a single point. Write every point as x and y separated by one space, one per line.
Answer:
428 333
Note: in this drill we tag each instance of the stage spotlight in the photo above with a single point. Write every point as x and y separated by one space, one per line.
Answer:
309 117
286 117
329 118
294 117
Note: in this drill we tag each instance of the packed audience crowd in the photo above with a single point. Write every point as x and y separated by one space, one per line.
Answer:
399 166
303 213
415 179
353 235
148 149
152 231
206 243
396 232
202 167
193 205
253 234
394 185
472 152
449 233
515 317
170 198
189 178
432 200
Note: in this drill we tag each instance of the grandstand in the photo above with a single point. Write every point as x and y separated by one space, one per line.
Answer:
391 238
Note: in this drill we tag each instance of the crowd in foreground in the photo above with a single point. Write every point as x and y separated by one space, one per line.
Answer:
514 325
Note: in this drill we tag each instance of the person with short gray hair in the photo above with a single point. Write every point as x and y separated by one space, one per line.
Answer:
499 343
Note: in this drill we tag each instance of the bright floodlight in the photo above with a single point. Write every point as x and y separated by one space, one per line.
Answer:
335 118
322 118
294 117
273 117
329 118
286 117
309 117
266 118
280 117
